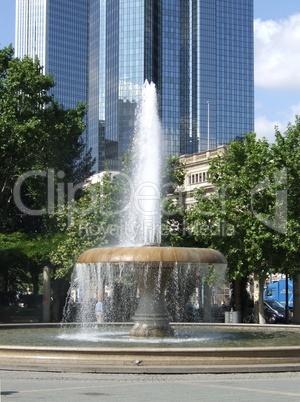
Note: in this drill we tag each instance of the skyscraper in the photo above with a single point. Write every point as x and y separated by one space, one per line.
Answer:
199 53
57 32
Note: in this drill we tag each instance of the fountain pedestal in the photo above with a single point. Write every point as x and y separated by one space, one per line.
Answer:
152 266
151 317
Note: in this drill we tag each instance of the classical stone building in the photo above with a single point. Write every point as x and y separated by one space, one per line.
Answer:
196 168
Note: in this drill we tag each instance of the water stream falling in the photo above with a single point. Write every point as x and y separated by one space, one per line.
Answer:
142 223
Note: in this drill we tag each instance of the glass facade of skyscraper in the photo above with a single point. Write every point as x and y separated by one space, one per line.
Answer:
57 32
31 29
199 53
96 77
170 73
67 41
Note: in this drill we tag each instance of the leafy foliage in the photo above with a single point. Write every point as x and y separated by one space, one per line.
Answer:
173 212
22 256
38 137
287 158
237 219
91 221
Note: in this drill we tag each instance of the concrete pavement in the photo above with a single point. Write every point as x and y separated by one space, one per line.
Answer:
46 386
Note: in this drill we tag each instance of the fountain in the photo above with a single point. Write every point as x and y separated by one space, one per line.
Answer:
151 264
160 347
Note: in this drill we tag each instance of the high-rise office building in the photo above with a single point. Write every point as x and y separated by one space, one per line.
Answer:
199 53
57 32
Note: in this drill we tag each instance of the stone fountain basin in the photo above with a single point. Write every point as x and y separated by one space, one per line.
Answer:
157 359
151 316
153 254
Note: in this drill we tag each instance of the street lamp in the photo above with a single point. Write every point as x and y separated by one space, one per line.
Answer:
208 133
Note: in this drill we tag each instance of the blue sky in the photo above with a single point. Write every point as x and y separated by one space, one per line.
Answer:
277 60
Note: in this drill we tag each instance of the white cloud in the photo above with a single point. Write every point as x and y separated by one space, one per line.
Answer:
265 128
294 110
277 56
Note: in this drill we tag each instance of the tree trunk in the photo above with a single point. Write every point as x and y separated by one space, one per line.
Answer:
261 314
296 299
35 272
60 289
207 303
237 294
46 293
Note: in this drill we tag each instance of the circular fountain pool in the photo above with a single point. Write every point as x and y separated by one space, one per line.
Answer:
185 336
194 348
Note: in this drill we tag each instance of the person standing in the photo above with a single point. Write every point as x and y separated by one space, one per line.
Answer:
99 309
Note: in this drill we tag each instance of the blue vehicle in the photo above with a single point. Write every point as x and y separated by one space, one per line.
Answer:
277 291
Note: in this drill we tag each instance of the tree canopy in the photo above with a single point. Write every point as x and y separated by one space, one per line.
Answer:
287 159
241 217
91 221
40 141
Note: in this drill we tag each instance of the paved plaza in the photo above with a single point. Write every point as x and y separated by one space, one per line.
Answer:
41 386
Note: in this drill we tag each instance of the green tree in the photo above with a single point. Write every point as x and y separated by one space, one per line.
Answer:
40 140
91 221
43 162
173 211
287 158
239 219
